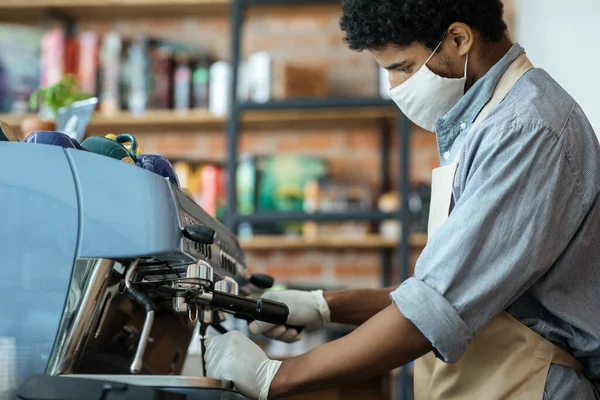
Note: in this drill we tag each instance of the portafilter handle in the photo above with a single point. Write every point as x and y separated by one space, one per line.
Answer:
264 310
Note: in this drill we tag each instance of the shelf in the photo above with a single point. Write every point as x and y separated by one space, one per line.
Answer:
287 7
35 10
299 243
274 217
284 2
353 118
331 112
157 119
326 103
197 120
150 121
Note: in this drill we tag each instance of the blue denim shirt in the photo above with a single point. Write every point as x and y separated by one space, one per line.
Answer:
524 233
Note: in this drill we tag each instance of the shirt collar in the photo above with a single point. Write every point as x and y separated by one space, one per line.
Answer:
461 117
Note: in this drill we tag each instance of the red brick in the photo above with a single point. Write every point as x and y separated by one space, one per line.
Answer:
257 143
173 145
369 166
360 271
345 268
308 143
363 140
215 145
309 42
286 272
263 43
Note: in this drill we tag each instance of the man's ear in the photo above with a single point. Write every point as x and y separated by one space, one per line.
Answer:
461 38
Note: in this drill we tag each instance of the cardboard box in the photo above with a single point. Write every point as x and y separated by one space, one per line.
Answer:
293 81
275 80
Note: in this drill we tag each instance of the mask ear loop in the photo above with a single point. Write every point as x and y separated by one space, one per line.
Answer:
434 51
437 48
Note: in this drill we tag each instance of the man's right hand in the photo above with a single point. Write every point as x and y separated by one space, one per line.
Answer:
308 310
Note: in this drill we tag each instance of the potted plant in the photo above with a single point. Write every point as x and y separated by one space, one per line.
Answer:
48 101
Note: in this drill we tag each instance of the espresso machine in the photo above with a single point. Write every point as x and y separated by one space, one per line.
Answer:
105 271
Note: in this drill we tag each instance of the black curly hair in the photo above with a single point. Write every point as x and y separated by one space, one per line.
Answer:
374 24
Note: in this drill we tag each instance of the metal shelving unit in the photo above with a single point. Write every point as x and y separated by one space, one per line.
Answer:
269 243
370 216
308 104
233 219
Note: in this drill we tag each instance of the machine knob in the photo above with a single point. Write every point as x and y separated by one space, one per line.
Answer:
201 270
179 305
199 234
262 281
228 286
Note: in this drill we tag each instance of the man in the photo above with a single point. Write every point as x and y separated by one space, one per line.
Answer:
505 292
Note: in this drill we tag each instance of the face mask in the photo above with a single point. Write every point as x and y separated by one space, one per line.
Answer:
425 97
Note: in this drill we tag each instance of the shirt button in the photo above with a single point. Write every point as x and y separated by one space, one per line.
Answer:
446 155
463 126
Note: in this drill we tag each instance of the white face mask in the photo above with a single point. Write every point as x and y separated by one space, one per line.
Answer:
425 97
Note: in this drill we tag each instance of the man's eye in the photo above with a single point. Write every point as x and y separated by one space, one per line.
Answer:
405 70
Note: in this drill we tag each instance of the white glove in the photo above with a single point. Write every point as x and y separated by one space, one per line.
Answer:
236 358
307 309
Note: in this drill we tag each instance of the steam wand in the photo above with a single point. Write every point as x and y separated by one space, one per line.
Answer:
142 299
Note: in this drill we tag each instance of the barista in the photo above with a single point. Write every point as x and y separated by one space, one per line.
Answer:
503 302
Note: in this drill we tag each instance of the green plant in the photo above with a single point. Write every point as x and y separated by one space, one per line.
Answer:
62 94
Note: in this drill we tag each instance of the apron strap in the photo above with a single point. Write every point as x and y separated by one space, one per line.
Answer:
512 75
443 178
562 357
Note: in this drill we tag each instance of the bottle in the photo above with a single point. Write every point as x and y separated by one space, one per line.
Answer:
163 73
138 61
182 84
200 79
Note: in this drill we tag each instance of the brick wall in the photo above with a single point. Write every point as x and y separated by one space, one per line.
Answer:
310 36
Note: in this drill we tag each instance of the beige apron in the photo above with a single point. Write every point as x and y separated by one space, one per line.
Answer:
505 360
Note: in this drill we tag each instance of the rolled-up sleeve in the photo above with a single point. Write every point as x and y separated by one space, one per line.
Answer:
518 208
419 302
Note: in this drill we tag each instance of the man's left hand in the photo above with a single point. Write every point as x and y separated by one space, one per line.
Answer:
236 358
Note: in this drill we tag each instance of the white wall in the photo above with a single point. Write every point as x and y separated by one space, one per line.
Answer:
563 37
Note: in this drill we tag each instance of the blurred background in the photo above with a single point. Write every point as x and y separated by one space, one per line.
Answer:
311 129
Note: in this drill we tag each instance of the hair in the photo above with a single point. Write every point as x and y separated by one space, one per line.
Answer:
375 24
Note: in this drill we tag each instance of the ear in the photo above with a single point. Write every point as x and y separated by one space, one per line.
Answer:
461 37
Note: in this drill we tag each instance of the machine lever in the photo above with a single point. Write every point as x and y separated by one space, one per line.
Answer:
199 233
262 281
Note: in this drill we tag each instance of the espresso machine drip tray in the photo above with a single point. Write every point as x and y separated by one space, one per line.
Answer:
172 386
161 381
125 387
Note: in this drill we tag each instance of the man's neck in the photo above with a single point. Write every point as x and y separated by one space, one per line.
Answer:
490 54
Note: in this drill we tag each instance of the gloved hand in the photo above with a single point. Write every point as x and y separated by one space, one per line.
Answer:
307 309
236 358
